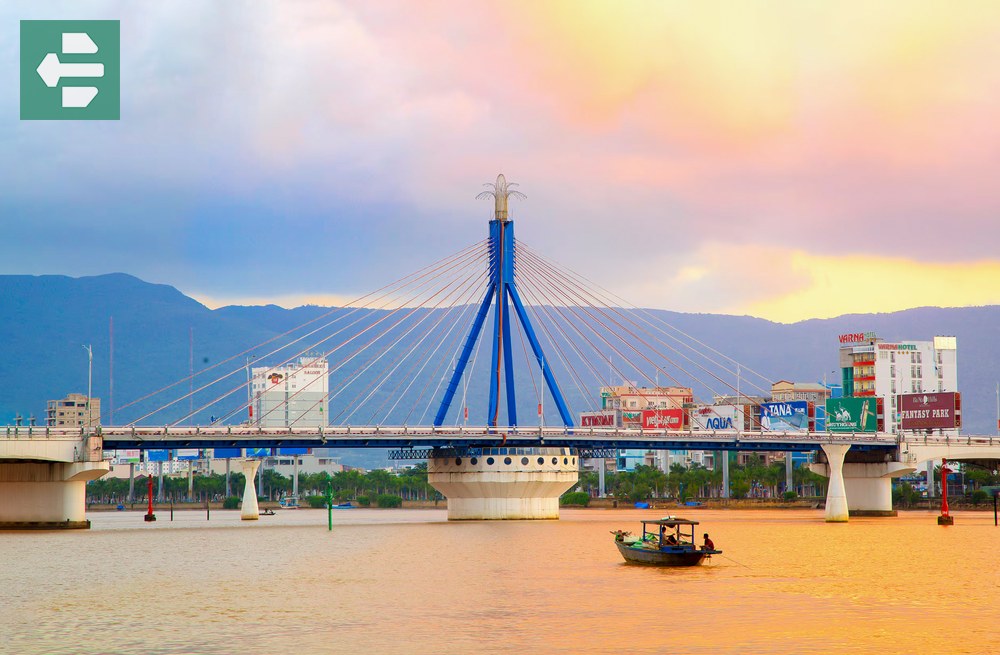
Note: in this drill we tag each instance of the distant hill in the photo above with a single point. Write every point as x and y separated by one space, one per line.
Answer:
49 318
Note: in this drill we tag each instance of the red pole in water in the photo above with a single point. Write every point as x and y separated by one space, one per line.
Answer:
945 518
149 495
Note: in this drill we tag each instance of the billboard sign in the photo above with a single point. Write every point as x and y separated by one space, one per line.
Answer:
597 420
187 453
632 418
130 456
662 419
929 411
227 453
785 416
293 451
857 337
851 415
157 455
258 452
714 417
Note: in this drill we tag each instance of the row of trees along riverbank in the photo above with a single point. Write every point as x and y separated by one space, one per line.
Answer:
750 480
410 484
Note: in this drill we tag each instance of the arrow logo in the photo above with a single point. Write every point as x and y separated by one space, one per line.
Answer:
51 70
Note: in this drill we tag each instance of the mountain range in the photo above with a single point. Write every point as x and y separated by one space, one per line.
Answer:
160 335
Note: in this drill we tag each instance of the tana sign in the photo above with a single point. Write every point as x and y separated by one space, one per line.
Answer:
790 416
929 411
851 415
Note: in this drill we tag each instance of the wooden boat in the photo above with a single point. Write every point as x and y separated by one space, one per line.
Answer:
288 502
664 542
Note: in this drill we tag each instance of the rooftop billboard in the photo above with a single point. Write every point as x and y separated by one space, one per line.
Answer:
714 417
662 419
929 411
851 415
597 420
785 416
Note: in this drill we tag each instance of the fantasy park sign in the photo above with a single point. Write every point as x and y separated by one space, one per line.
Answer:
930 411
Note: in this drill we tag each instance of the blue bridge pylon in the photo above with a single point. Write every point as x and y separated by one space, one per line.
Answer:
502 288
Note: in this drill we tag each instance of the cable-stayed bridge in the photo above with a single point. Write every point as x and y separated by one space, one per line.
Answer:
495 331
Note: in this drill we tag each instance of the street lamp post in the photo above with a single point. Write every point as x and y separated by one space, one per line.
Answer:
90 378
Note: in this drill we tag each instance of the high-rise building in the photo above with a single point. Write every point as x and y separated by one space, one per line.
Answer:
73 411
872 367
292 395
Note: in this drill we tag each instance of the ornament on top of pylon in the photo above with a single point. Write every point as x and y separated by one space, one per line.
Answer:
501 191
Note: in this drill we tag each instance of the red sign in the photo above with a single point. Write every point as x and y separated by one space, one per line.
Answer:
597 420
857 337
663 419
929 411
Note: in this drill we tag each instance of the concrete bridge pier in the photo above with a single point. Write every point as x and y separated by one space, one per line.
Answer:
859 488
46 495
250 510
504 483
836 492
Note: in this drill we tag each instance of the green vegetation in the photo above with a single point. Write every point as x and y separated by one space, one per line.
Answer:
905 495
410 484
577 498
232 502
388 500
364 501
749 480
978 497
316 502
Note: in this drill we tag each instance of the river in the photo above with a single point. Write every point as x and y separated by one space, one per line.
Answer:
409 581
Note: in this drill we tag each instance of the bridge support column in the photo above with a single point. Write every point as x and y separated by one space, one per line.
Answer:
504 483
869 487
46 495
250 510
836 493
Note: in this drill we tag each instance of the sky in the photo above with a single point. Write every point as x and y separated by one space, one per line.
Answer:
785 159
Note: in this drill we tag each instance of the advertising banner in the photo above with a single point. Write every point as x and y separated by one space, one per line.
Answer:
714 417
187 453
785 416
258 452
663 419
851 415
227 453
130 456
157 455
293 451
632 418
929 411
597 420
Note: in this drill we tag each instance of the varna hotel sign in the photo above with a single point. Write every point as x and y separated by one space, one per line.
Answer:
858 337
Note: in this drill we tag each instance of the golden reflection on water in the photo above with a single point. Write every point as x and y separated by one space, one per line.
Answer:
409 581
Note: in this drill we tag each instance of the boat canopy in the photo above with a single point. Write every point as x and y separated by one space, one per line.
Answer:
670 522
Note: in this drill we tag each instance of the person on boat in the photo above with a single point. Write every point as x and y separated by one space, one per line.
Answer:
709 544
671 540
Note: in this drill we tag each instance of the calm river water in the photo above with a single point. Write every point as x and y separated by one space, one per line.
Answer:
408 581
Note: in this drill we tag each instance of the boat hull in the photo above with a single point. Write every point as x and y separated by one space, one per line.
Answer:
669 557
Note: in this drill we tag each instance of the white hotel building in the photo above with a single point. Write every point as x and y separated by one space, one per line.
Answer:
877 368
294 394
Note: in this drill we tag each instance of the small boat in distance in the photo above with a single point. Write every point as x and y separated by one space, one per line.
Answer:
288 502
664 542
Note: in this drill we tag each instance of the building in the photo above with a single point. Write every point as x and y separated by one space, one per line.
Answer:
73 411
294 394
872 367
814 392
646 407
